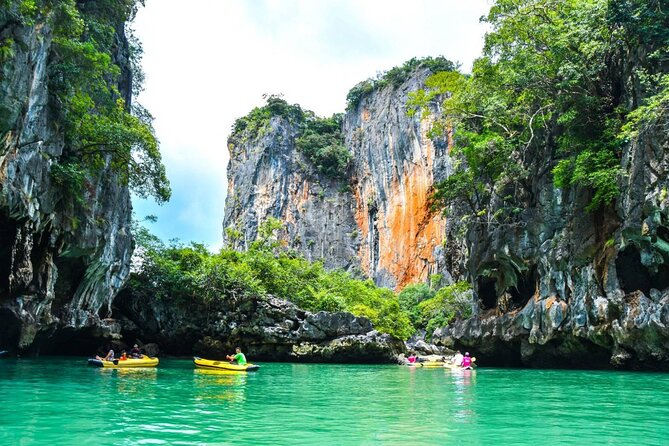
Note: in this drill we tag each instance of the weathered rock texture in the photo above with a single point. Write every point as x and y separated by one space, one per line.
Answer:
267 329
592 288
377 220
61 260
268 177
570 288
559 286
395 166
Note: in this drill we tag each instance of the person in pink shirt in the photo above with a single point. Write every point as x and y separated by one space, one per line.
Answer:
466 360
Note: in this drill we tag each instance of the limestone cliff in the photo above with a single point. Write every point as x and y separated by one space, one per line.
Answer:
566 287
555 285
268 177
62 258
395 164
374 219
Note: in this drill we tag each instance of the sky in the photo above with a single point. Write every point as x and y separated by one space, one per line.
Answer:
209 62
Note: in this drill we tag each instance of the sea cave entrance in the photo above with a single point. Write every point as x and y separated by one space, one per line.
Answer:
634 276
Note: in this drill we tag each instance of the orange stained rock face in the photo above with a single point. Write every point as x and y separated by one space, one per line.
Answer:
408 231
411 231
361 218
299 196
550 301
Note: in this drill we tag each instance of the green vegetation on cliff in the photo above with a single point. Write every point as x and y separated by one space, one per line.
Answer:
430 307
321 140
395 77
191 273
91 71
549 93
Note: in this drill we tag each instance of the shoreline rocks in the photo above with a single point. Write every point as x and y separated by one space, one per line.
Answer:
267 329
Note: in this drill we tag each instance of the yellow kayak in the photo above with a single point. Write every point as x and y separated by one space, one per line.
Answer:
457 367
439 364
224 365
144 361
431 364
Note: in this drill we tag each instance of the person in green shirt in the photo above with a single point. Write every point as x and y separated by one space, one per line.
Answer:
238 358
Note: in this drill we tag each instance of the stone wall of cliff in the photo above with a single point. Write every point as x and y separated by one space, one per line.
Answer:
374 221
564 286
269 177
395 164
267 328
571 288
62 259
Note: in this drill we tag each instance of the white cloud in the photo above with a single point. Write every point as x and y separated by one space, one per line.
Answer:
208 62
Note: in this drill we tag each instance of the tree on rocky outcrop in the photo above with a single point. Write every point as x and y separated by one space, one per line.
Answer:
547 95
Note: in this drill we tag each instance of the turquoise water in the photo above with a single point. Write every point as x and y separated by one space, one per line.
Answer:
62 401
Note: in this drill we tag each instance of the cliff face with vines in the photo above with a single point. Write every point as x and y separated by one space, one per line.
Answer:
556 283
577 273
562 286
63 253
375 220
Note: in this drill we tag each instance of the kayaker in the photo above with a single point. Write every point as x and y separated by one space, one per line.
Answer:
238 358
412 358
466 360
457 359
134 352
124 356
109 357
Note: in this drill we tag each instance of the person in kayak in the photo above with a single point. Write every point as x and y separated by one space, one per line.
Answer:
412 359
238 358
109 357
457 359
134 352
466 360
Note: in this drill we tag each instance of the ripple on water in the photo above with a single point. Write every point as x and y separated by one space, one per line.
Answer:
60 401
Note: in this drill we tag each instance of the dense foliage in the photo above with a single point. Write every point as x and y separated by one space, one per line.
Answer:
430 307
89 91
257 122
395 77
190 273
551 86
320 139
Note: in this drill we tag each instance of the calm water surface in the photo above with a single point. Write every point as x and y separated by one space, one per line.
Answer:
62 401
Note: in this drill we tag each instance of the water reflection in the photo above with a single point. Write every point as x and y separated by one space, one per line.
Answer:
224 385
129 382
464 401
463 378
